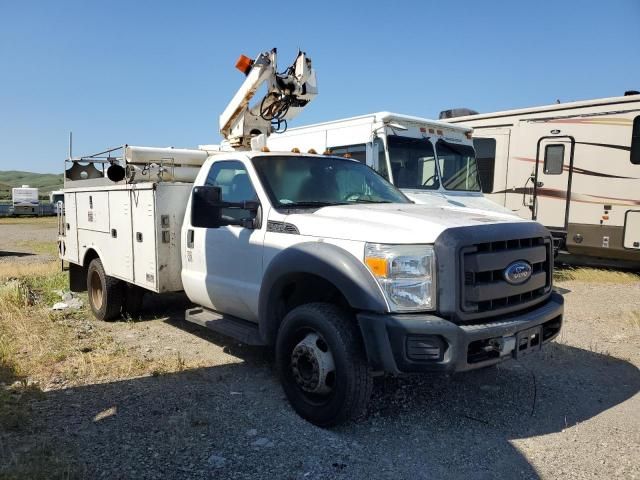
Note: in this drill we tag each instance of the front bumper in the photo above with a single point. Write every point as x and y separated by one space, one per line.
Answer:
416 343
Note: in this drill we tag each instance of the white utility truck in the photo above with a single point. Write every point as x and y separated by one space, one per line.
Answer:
432 162
25 201
317 256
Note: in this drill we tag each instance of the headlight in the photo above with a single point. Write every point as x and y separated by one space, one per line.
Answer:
406 274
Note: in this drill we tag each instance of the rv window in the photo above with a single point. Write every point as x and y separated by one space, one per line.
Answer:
357 152
553 159
486 159
635 142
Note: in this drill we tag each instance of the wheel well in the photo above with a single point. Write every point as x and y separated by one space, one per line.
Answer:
299 289
78 273
89 256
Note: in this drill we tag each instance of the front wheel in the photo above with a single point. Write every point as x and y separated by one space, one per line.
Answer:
322 366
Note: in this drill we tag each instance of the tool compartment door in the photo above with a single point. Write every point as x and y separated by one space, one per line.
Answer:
144 239
552 184
120 231
70 234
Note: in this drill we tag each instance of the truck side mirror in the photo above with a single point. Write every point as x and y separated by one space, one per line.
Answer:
205 209
207 205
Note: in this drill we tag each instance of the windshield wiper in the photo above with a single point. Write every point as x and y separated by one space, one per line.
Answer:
311 204
371 201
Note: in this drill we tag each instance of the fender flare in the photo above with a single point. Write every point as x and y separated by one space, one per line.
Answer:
327 261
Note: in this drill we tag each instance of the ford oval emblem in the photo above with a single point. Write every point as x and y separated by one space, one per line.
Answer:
518 272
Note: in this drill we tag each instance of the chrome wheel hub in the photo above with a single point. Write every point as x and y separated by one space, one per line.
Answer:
312 365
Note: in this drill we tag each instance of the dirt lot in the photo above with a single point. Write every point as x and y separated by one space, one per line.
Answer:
159 398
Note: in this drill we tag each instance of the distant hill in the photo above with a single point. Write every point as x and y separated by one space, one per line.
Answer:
46 182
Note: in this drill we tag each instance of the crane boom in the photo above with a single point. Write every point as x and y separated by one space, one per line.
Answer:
287 94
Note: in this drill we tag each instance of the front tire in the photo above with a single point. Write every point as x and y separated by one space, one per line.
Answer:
106 294
322 366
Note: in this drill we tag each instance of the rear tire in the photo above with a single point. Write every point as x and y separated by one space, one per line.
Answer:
106 294
329 337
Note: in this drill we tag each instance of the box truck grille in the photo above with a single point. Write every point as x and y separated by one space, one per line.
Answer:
485 289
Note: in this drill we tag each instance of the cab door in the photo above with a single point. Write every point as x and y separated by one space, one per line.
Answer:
551 181
222 267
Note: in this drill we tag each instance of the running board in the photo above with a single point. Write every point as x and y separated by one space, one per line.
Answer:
241 330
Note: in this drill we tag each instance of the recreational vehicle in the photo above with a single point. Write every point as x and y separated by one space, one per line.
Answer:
574 167
25 201
430 161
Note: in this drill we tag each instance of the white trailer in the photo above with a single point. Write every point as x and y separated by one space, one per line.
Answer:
25 201
574 167
430 161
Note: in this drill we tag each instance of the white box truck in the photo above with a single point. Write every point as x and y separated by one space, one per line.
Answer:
316 256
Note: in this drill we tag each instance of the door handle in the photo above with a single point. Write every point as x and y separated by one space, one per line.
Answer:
190 238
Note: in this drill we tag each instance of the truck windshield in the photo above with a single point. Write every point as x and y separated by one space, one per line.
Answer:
413 163
458 167
301 181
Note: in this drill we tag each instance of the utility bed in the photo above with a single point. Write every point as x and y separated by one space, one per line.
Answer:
133 228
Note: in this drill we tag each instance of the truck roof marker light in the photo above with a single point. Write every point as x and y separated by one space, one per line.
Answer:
377 265
295 150
244 64
469 135
312 151
431 130
327 152
439 132
347 155
265 149
423 130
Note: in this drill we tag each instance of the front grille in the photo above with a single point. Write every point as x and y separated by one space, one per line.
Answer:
485 289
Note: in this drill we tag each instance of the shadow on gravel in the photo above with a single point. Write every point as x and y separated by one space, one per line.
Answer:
15 254
232 421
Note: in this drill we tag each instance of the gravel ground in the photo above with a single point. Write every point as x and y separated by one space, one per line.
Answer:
571 411
19 235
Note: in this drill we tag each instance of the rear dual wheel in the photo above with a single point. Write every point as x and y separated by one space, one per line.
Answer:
109 297
322 366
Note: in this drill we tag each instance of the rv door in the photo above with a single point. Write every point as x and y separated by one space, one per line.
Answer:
551 181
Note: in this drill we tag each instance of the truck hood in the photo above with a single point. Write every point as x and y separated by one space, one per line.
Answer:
391 223
439 198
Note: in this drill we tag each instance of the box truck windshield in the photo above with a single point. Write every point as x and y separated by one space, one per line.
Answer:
414 166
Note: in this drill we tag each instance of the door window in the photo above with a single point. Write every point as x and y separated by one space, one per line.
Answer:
235 185
486 159
635 142
553 159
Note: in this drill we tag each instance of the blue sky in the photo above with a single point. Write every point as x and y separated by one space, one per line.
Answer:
159 73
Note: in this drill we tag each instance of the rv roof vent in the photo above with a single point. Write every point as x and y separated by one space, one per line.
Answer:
631 92
456 112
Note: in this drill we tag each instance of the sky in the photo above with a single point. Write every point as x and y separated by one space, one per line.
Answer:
159 73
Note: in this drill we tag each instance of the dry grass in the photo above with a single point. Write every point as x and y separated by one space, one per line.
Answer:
595 275
28 220
634 319
10 270
41 350
42 248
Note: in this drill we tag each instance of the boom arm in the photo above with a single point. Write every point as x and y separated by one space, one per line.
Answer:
287 94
